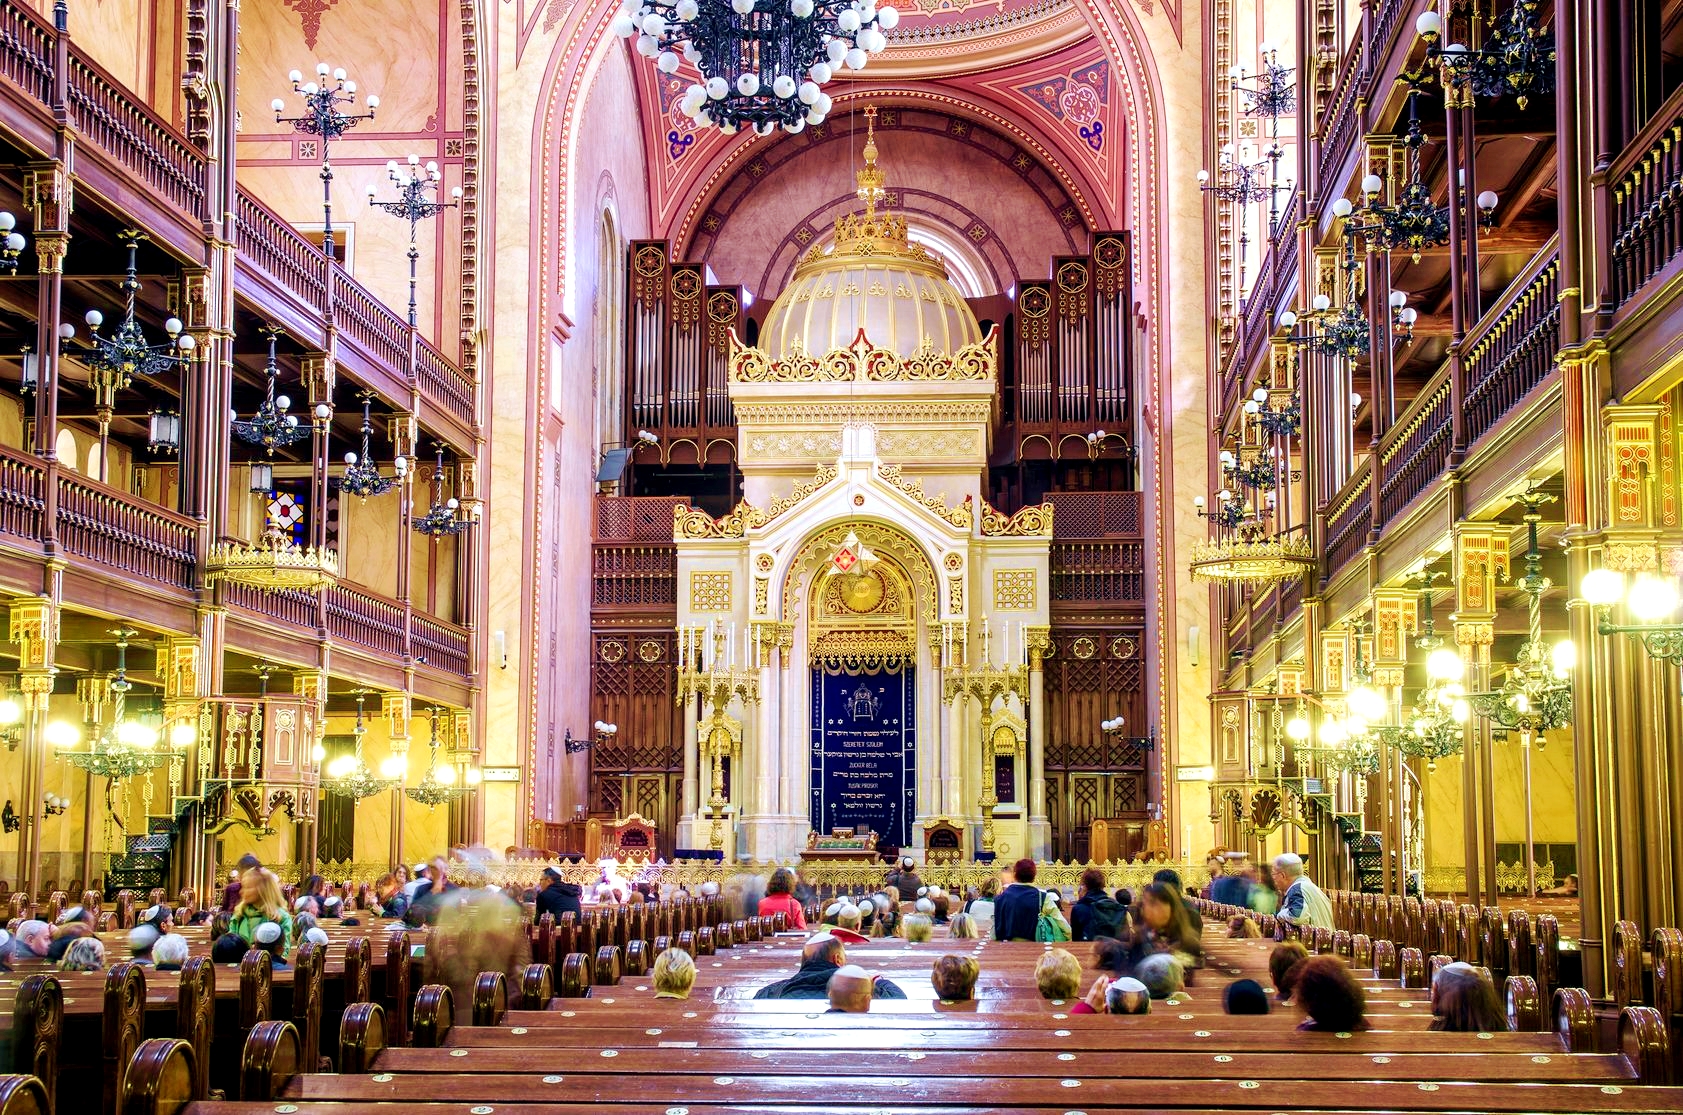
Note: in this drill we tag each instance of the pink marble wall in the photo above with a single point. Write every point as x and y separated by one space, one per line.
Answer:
608 170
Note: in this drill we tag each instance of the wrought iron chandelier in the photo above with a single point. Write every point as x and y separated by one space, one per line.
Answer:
348 776
444 518
1275 93
324 115
1438 722
415 203
362 475
271 426
125 747
1650 597
1537 696
126 353
443 782
1342 332
762 64
1278 413
12 243
1415 222
1517 57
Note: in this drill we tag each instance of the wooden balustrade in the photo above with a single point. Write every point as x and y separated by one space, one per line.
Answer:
266 241
1349 516
443 645
358 616
1338 126
1512 349
26 53
1097 514
634 576
1416 449
115 122
443 382
635 518
115 530
1386 23
22 495
1098 573
291 606
1646 197
367 321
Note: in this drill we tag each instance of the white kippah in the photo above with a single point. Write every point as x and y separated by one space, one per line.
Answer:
150 914
267 933
924 906
5 938
818 938
303 899
316 935
848 911
73 913
143 937
852 971
832 909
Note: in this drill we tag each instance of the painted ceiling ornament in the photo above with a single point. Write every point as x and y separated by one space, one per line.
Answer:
762 64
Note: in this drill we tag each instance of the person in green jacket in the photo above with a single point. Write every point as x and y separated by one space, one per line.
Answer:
261 901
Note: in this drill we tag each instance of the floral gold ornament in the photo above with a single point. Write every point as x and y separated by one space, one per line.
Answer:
274 563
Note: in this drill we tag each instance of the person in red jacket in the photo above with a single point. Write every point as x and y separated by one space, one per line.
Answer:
780 899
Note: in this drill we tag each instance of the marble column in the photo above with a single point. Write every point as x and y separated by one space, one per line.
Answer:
1039 829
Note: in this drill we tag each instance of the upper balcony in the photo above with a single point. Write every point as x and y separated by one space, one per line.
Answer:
141 167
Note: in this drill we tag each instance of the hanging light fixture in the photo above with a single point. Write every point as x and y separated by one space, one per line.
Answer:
271 426
362 475
762 64
1537 695
126 353
1415 222
444 518
125 747
1343 332
443 782
163 432
348 776
1517 57
12 243
324 115
416 187
1437 724
1278 413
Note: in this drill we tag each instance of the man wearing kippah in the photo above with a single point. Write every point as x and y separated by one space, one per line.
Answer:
823 955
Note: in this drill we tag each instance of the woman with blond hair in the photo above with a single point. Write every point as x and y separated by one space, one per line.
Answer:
917 928
962 926
674 974
261 901
85 954
1057 974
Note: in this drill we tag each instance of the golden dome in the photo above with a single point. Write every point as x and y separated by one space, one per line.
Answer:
873 278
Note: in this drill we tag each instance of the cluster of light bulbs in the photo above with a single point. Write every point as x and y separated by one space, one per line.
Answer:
663 33
310 88
1363 706
1650 597
62 734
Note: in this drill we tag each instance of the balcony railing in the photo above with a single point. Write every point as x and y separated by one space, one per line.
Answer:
1647 201
443 645
1512 349
360 617
26 53
1097 514
111 529
22 501
1348 518
1338 126
155 153
1416 449
445 383
1098 573
265 240
299 609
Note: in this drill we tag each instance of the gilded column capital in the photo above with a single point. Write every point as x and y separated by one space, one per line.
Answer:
1038 639
311 685
320 372
36 688
48 193
179 660
398 709
50 250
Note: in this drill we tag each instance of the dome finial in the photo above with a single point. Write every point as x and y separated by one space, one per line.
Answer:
870 177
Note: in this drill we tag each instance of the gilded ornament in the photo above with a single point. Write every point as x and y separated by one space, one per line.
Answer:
961 516
1014 589
710 591
649 650
1033 521
953 562
1084 648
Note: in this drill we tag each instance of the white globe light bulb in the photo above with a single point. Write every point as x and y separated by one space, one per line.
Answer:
748 84
1321 303
647 47
1652 597
686 10
278 105
835 50
808 92
653 25
350 458
783 86
1602 586
888 18
848 21
622 25
717 88
821 73
667 62
800 9
1444 664
1372 184
282 402
856 59
1342 207
1429 24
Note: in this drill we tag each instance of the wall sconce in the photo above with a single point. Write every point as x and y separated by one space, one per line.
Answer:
603 730
163 432
55 805
9 818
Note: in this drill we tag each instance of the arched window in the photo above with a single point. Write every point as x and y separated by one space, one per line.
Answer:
66 446
610 329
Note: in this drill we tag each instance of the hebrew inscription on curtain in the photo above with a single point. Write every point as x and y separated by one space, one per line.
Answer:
864 751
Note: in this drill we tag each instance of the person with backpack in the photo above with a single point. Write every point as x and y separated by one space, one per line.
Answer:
1095 913
1052 926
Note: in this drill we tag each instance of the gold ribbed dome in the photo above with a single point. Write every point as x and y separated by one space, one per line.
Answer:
873 278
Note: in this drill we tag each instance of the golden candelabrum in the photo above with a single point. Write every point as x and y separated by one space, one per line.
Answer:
708 669
987 684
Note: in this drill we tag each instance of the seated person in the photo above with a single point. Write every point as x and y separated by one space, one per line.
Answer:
33 939
962 927
1124 995
849 990
918 928
674 974
1464 1000
1286 956
315 935
942 904
1242 927
1162 974
954 977
1244 996
75 922
267 937
820 958
230 948
83 954
1329 995
1057 975
159 917
1568 888
1169 877
170 953
1163 925
780 899
848 920
142 938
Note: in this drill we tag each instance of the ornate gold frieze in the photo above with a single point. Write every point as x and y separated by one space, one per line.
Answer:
1033 521
863 362
961 516
690 522
854 650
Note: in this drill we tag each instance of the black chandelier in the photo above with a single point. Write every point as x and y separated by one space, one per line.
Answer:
1275 93
444 518
1415 222
12 243
324 115
1342 332
271 426
1279 414
761 63
1517 56
362 475
126 352
416 187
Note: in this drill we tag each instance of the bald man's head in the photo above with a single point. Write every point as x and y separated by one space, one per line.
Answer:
850 990
826 948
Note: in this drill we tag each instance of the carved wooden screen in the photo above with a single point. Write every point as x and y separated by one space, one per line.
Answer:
1093 674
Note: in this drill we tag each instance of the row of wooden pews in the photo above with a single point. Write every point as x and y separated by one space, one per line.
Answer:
614 1045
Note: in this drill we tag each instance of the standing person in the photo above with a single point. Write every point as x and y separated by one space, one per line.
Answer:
231 892
1095 913
1016 912
1170 877
1301 901
1230 890
261 903
1263 898
907 881
780 899
558 897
